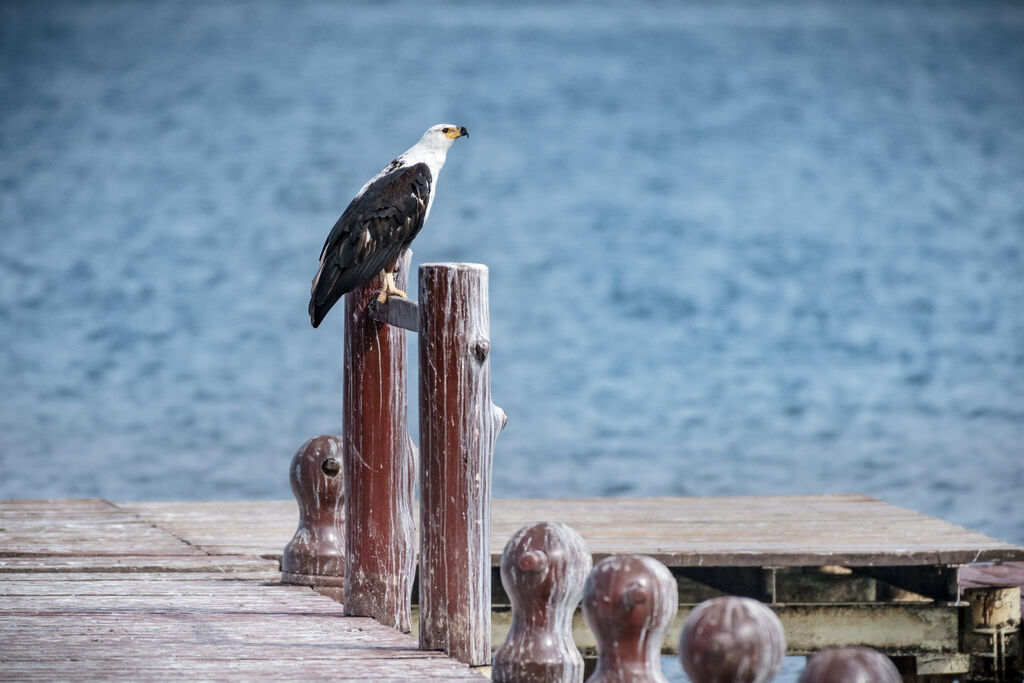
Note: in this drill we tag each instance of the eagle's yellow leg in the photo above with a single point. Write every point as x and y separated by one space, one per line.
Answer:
389 288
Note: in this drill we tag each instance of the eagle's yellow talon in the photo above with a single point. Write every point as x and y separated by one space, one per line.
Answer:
389 288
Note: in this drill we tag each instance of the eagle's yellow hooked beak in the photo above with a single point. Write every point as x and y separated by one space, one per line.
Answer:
458 132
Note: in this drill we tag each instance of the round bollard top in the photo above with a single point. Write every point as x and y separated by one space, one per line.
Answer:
850 665
732 640
543 569
626 596
545 563
629 601
316 554
315 473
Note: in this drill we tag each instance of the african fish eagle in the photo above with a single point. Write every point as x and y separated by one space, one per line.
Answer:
380 222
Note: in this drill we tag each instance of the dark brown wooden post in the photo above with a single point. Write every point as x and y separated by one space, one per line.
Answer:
379 464
458 427
732 639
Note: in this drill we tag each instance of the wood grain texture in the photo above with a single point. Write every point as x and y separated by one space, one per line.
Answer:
123 564
165 626
458 428
260 528
996 575
848 530
379 464
81 527
188 595
783 531
153 607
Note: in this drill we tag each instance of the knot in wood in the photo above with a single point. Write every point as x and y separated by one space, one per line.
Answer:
316 554
629 601
481 349
850 665
732 640
543 568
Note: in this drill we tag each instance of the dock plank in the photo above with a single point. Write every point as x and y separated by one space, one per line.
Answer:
996 575
260 528
851 530
134 563
203 626
92 590
81 527
155 591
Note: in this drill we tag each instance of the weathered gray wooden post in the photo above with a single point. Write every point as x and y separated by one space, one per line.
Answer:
458 428
379 463
543 569
732 640
316 554
629 601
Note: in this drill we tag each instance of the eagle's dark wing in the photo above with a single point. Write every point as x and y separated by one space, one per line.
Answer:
371 234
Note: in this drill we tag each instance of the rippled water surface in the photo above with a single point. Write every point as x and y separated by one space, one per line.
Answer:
734 249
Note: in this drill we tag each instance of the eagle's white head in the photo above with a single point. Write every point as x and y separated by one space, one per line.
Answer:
433 146
443 135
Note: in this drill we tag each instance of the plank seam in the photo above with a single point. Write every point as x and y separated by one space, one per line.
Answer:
158 527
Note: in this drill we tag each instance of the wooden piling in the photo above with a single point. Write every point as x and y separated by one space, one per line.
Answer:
458 427
379 463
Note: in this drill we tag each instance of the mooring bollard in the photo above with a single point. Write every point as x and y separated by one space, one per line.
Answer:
629 601
379 463
543 569
458 428
850 665
316 554
732 640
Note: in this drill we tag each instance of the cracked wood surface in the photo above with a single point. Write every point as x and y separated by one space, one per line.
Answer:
92 590
378 462
155 590
458 428
781 531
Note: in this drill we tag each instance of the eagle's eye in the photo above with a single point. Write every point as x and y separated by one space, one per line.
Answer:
446 130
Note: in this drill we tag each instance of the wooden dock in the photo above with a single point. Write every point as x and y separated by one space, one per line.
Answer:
91 590
156 589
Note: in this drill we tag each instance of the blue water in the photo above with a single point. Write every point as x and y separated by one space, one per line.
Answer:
741 248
